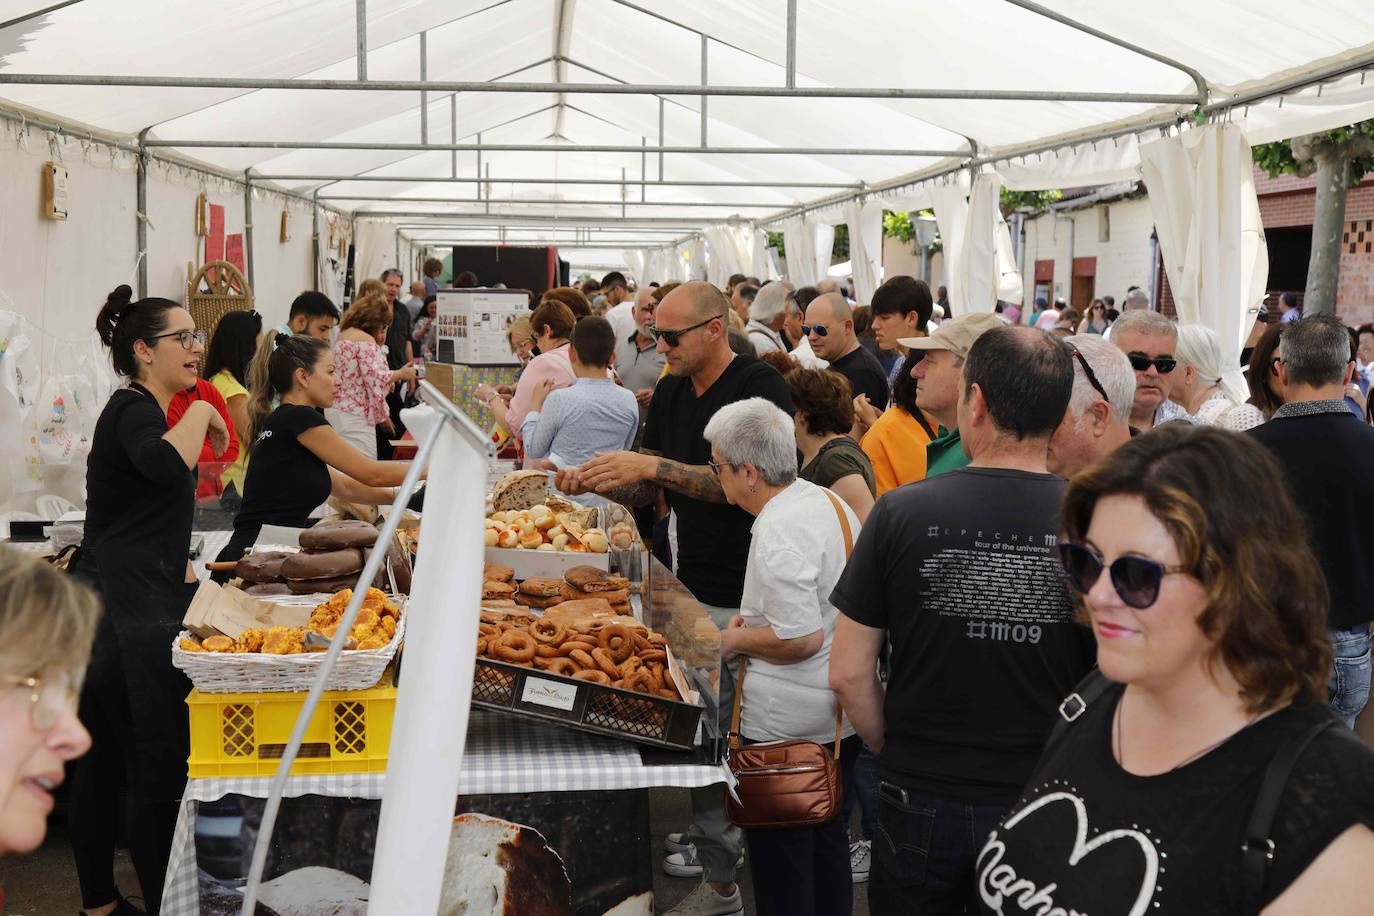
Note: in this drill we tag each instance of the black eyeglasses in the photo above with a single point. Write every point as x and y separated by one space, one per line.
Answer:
187 339
1088 371
1163 364
716 466
1136 579
673 338
820 329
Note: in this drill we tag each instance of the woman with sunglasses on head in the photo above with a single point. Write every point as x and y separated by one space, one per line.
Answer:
1262 375
47 624
299 460
140 484
1209 734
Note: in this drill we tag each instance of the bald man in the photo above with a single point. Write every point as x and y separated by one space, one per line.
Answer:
829 328
711 537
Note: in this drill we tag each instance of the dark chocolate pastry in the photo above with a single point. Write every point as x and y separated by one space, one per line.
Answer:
327 564
337 535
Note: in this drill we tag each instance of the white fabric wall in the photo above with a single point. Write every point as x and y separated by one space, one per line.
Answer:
376 241
865 224
281 270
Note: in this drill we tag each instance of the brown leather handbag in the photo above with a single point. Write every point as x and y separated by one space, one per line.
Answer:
786 783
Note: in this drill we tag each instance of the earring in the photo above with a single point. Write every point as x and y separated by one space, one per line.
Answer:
754 488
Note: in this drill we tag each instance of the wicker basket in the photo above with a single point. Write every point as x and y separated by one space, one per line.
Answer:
257 672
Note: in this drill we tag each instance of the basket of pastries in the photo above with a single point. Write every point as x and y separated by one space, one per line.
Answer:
287 658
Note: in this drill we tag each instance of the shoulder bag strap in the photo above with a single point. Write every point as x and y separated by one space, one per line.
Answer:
848 549
1257 851
925 424
1075 704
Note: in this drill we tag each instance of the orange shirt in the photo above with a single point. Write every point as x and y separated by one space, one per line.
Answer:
896 445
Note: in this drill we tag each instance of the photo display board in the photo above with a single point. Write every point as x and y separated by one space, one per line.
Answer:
472 325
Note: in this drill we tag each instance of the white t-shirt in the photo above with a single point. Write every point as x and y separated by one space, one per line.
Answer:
795 559
622 319
803 354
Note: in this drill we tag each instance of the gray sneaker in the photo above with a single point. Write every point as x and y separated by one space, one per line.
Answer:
860 856
675 842
704 901
685 864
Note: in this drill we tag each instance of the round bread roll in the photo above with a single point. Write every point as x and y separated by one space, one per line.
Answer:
258 568
324 565
321 586
338 535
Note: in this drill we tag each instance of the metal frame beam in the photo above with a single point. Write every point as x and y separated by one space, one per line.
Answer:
361 28
421 179
559 243
791 43
554 219
19 20
745 205
557 148
763 92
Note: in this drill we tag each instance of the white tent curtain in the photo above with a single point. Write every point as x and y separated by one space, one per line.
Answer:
977 272
729 254
376 243
1202 196
865 224
950 202
637 260
759 264
809 246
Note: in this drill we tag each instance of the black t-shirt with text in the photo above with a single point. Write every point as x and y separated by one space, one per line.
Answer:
712 538
960 570
285 481
866 376
1089 837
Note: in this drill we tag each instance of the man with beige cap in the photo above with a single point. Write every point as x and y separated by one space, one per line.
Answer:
937 383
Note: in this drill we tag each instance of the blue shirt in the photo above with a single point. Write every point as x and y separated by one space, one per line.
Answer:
594 415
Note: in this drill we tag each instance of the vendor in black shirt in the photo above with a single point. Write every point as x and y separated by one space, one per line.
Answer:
712 536
830 328
299 460
1213 635
140 485
957 574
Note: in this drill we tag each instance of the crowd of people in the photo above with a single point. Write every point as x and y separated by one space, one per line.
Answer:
1007 712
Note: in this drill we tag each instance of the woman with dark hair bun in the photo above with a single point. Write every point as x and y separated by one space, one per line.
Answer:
1200 769
298 459
140 498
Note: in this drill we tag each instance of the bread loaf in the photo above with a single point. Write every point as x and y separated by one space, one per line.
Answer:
520 490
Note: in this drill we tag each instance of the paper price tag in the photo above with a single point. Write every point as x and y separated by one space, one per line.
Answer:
549 693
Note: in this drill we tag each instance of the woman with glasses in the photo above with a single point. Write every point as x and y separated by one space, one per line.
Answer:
1201 771
140 485
1095 322
552 324
1262 374
47 624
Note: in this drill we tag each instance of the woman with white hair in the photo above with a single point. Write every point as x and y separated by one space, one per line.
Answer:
801 538
1201 386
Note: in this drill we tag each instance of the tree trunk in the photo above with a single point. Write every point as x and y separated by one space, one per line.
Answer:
1328 225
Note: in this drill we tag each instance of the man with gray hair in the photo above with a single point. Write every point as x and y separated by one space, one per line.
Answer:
740 299
1148 340
1328 455
767 315
1097 422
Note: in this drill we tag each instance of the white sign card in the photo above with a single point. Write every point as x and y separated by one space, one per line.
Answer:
472 324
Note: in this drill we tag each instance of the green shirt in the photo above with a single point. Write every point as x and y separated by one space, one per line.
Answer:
945 453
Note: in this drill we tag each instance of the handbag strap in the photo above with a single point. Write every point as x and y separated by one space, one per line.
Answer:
848 534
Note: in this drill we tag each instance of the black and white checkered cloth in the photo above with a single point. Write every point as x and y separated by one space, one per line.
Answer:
503 756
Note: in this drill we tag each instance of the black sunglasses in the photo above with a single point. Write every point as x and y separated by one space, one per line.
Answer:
1135 579
820 329
1163 364
673 338
1088 371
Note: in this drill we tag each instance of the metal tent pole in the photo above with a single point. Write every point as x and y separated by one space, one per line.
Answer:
479 148
361 27
248 226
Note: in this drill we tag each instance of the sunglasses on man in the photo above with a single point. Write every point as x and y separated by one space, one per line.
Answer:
820 329
1163 364
673 338
1136 579
1090 374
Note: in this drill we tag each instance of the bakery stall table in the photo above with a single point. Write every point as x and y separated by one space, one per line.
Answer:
587 795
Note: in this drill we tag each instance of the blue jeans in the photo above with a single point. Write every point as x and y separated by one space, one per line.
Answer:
924 853
1349 685
862 787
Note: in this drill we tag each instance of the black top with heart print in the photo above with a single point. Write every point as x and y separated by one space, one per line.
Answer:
1088 837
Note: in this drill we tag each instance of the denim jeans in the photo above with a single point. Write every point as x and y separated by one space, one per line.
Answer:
924 852
1349 685
862 788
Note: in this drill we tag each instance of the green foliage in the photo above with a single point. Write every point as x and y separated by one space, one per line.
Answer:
1037 201
775 241
898 226
1277 158
840 250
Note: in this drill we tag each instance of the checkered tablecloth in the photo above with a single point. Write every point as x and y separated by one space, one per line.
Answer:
503 755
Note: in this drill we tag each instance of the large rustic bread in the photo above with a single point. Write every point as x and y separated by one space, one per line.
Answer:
541 586
520 490
592 579
499 868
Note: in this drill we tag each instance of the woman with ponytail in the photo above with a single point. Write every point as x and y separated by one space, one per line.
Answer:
298 460
140 484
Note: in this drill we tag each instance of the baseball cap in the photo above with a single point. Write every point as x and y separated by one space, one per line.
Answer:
956 335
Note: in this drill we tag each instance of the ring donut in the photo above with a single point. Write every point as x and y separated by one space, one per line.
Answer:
640 682
658 640
618 641
630 666
515 646
542 663
652 656
548 632
542 651
583 660
564 666
481 645
488 629
666 693
642 643
592 674
605 662
573 645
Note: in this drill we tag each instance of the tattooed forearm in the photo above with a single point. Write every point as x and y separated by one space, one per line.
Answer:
694 480
634 495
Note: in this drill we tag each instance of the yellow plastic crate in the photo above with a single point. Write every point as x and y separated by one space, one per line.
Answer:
245 734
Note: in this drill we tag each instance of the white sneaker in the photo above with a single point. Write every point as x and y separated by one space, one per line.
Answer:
685 864
675 842
704 901
860 856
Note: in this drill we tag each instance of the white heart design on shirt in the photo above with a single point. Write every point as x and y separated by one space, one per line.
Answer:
997 880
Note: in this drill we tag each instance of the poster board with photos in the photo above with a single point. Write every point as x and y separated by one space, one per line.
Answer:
472 324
